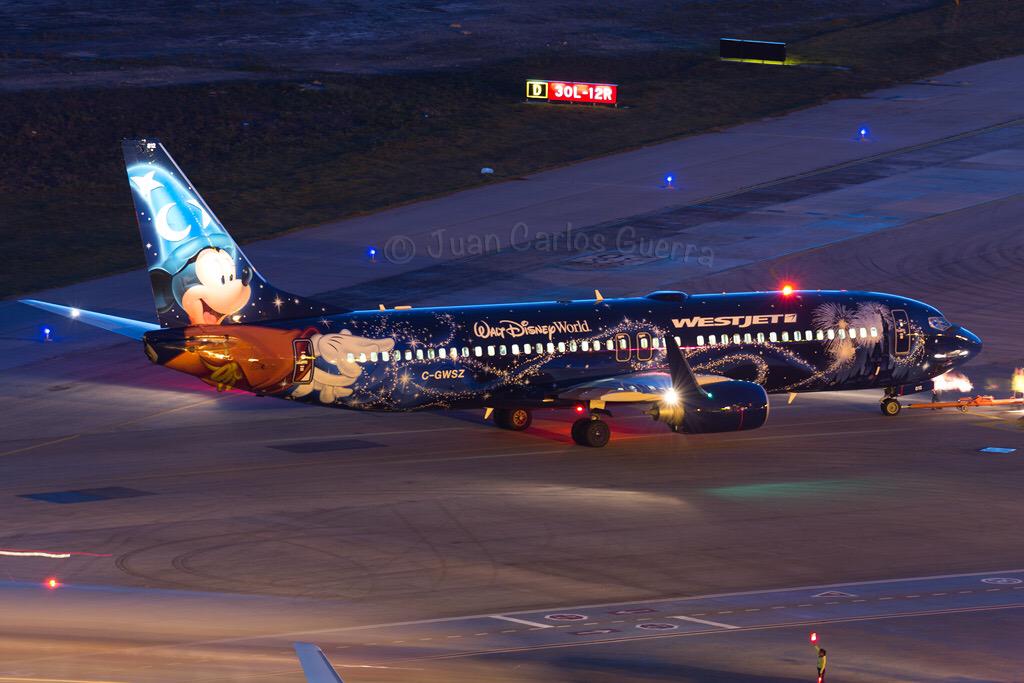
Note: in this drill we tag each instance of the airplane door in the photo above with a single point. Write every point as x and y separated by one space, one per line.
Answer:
622 350
644 346
901 332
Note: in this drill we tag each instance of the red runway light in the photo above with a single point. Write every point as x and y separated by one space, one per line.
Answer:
52 583
787 289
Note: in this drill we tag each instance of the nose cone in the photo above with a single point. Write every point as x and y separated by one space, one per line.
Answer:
967 341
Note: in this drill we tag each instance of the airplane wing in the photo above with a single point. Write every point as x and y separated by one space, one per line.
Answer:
638 387
315 665
112 323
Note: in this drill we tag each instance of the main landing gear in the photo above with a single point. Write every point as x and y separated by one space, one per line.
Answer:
515 419
587 431
591 431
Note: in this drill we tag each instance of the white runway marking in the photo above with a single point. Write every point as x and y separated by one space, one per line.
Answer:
707 622
524 622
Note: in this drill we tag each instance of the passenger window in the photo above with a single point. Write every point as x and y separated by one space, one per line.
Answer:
853 333
643 343
515 349
796 336
453 352
808 335
585 345
430 354
442 352
408 354
679 342
820 335
747 338
863 333
622 342
385 356
773 337
842 333
477 351
490 350
736 338
362 358
551 347
760 337
572 346
785 336
373 356
655 343
700 340
351 358
561 347
610 346
831 334
465 351
874 332
527 348
502 350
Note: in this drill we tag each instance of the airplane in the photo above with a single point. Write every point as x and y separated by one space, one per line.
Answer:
315 665
698 363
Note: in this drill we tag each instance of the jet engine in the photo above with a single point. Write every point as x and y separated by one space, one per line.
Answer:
726 406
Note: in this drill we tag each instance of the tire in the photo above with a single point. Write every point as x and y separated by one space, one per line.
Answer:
890 407
514 419
590 432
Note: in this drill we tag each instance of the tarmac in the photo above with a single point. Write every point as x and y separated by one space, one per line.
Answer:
209 531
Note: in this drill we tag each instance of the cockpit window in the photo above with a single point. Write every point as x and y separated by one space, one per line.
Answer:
939 323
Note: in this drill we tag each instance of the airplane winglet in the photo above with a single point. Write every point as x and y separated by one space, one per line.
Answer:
112 323
597 295
315 664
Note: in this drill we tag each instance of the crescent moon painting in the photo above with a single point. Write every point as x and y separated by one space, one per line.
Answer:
166 231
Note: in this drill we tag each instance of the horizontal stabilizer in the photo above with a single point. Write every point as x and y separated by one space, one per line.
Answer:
112 323
315 665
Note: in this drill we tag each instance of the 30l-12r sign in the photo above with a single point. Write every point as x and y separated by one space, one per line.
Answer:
564 91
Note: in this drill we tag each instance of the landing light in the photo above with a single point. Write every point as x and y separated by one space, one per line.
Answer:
670 397
787 290
75 313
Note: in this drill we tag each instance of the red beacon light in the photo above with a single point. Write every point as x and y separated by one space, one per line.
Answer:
52 583
814 637
580 408
787 290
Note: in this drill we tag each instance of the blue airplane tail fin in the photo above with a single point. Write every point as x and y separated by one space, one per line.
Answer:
198 273
315 665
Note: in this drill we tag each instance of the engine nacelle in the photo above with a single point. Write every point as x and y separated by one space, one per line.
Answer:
729 406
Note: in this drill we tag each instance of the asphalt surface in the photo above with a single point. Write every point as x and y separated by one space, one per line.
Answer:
212 530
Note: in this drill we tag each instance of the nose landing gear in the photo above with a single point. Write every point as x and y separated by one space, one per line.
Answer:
890 406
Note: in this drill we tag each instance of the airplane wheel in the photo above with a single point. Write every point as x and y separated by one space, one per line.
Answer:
516 419
590 432
890 407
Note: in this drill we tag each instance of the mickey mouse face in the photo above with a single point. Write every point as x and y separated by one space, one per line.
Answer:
219 292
